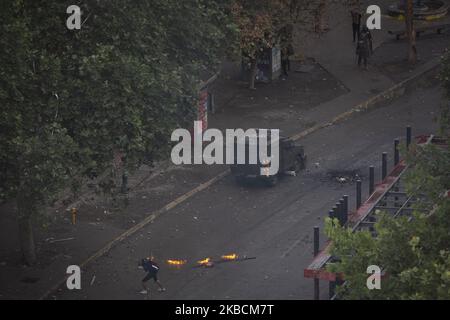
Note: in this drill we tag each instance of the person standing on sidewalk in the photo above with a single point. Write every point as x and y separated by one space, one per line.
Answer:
290 52
364 47
287 49
285 63
356 23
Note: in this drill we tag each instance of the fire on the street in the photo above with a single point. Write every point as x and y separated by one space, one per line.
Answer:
205 263
208 262
228 257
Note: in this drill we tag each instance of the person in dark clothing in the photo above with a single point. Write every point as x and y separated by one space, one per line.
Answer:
369 35
290 52
287 49
356 23
285 63
364 47
366 32
152 268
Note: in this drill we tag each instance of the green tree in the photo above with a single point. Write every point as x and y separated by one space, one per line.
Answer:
71 99
256 28
264 24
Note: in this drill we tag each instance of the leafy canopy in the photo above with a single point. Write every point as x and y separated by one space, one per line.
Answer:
71 99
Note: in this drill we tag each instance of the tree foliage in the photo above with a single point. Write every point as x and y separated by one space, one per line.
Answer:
72 99
264 24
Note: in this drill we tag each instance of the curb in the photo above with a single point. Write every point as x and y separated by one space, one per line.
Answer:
392 93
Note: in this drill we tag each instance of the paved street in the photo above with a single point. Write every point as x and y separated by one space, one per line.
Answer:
272 224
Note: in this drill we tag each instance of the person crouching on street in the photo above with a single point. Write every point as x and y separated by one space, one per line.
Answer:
152 268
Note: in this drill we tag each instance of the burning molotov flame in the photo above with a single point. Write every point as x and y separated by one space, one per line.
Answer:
204 261
176 262
233 256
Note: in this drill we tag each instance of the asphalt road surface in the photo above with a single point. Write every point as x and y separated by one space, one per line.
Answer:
272 224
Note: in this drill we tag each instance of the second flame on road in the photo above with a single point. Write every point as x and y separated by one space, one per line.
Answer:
176 262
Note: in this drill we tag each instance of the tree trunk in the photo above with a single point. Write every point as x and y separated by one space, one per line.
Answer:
321 21
253 67
26 236
409 18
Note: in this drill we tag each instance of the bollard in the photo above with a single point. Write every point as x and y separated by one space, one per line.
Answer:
316 241
383 165
124 186
371 180
332 287
396 152
358 194
316 252
345 214
338 212
342 213
316 289
408 136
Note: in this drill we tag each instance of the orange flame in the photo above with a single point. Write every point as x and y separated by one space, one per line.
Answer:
204 261
176 262
233 256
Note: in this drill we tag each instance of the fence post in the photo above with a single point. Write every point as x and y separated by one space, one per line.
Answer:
371 180
316 252
396 152
339 211
383 165
358 193
342 212
332 287
345 214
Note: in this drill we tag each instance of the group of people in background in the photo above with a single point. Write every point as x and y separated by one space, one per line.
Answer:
363 38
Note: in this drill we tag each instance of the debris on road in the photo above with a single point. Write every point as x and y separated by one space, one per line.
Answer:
92 280
53 240
291 173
